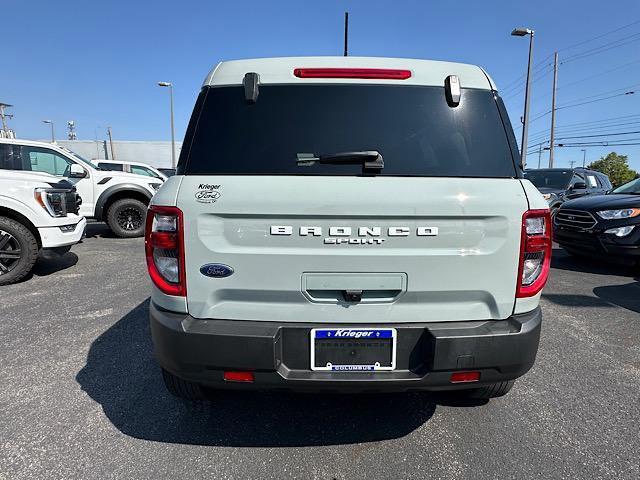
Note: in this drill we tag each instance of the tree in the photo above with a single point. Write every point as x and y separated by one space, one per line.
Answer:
616 167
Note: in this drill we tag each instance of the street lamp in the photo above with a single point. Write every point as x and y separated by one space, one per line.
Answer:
173 135
50 122
521 32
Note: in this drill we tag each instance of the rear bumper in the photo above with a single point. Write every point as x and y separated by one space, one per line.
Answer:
279 353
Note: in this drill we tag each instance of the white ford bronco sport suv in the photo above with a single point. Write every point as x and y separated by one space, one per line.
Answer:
347 224
118 198
37 211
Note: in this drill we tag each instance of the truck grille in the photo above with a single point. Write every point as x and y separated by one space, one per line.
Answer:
574 219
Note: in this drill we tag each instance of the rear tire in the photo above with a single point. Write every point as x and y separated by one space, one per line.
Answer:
182 388
126 217
18 251
489 391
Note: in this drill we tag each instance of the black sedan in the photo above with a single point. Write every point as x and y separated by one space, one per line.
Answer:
602 224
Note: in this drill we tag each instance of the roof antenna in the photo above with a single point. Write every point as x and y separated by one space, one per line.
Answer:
346 32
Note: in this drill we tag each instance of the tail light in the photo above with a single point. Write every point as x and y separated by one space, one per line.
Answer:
164 248
535 253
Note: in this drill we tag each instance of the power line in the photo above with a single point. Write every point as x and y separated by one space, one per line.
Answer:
603 48
599 36
565 133
602 135
522 77
615 90
596 100
598 74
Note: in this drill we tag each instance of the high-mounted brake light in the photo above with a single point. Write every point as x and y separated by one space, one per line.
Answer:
372 73
164 248
535 253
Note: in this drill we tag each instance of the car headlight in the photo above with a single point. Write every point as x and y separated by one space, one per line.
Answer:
155 186
547 196
619 214
53 201
620 231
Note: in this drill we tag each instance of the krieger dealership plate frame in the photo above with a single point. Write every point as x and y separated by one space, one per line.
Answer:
354 368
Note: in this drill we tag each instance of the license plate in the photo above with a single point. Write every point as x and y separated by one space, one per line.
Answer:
353 349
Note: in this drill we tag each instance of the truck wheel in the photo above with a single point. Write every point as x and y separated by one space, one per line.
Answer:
126 217
182 388
490 391
18 251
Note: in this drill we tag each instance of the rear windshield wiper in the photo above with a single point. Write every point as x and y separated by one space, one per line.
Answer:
370 159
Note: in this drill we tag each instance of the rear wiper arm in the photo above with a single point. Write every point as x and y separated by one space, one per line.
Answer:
370 159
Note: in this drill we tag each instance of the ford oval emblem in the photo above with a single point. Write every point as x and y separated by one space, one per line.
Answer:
216 270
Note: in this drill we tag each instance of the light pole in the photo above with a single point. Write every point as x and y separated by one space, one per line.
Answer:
584 156
53 138
173 134
521 32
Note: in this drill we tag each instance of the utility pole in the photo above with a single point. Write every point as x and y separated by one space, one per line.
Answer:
113 153
584 157
346 32
539 155
553 108
572 163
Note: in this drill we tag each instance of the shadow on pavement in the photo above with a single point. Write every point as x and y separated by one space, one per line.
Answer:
574 300
50 263
99 229
562 260
122 375
625 296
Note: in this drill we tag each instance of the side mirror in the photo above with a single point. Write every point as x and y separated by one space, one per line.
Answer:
579 186
76 171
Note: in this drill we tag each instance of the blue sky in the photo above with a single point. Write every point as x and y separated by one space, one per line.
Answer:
98 62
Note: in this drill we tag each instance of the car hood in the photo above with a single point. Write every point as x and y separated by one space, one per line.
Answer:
36 177
602 202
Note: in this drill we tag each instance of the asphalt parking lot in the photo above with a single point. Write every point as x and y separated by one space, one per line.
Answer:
81 396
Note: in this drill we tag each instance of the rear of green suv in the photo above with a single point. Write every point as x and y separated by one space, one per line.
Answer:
347 224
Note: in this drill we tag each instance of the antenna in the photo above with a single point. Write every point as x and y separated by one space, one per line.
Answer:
5 132
346 33
71 130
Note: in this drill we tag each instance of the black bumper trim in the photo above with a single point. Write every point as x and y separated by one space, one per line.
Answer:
278 352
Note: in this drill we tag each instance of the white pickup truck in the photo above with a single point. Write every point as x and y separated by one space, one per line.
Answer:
118 198
37 211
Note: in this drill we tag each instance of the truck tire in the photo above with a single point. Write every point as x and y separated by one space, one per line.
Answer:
490 391
126 217
182 388
18 251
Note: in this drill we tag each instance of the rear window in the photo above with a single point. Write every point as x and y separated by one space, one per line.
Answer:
412 127
556 179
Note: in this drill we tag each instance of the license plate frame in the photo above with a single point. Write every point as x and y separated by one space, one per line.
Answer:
376 333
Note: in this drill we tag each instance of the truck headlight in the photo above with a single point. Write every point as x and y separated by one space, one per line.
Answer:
619 214
53 201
